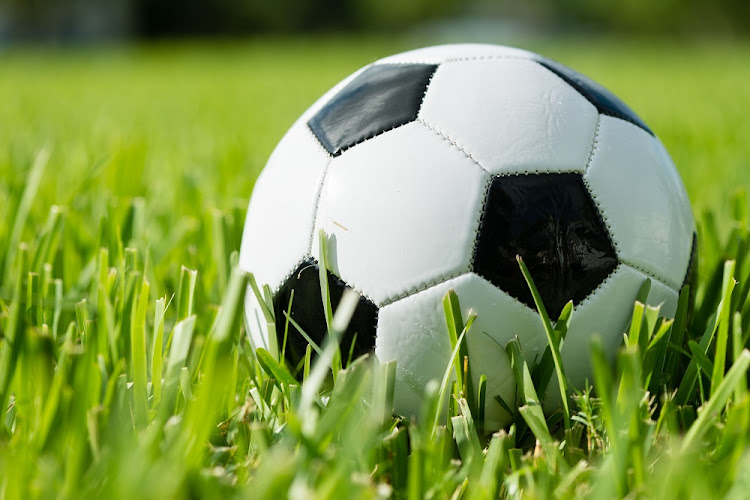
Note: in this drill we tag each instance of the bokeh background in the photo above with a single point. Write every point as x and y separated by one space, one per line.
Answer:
159 114
90 20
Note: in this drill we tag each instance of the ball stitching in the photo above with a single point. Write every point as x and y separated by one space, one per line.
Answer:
666 282
451 141
604 283
594 143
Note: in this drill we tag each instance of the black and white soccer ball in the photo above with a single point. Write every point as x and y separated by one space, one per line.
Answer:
431 170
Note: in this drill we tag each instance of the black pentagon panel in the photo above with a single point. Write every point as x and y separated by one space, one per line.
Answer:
307 311
551 221
383 97
605 101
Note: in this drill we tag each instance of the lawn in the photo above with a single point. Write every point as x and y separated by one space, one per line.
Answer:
125 178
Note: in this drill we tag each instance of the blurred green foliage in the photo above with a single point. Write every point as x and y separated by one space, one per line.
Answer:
682 17
156 17
89 20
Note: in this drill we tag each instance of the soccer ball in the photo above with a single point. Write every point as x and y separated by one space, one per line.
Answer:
431 170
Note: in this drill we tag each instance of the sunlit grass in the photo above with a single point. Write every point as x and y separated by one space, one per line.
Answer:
124 366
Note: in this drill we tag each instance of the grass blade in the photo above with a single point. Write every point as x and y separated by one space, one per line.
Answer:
182 336
325 294
700 357
14 331
31 186
678 332
138 355
709 412
491 476
274 369
454 321
186 293
465 434
532 413
157 349
687 384
722 336
552 339
344 313
435 418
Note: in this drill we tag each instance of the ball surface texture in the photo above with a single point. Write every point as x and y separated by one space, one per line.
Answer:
431 170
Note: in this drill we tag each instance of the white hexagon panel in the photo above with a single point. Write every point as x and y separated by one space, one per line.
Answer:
606 313
512 115
401 212
413 332
280 218
642 200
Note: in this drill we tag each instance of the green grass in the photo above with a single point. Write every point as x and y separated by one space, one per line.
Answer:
125 176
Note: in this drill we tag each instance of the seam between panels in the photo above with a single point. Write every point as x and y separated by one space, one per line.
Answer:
362 295
454 143
592 194
538 172
425 286
477 228
603 215
489 57
364 139
651 275
592 99
315 138
351 286
594 143
604 283
426 89
480 221
317 263
288 275
451 141
318 192
372 136
488 183
516 300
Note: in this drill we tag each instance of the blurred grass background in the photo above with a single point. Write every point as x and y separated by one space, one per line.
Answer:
187 125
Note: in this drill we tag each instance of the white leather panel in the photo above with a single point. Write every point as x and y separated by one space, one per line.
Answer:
607 313
443 53
280 216
644 202
413 332
661 295
511 115
401 211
